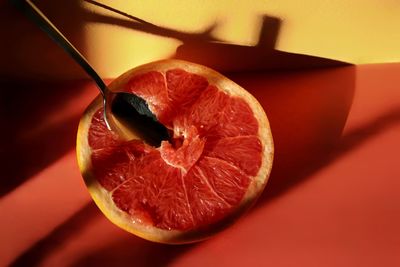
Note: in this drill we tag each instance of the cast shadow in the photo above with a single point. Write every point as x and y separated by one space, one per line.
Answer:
125 252
35 83
29 54
203 48
261 57
301 151
34 255
31 141
307 111
130 251
307 124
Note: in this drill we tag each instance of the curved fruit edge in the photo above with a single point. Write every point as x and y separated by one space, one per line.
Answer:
102 197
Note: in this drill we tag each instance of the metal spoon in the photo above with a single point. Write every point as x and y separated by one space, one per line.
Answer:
131 111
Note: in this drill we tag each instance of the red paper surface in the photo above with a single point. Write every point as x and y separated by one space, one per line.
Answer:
332 200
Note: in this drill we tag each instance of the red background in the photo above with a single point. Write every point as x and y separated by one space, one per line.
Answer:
332 200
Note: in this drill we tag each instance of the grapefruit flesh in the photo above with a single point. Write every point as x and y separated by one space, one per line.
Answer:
211 170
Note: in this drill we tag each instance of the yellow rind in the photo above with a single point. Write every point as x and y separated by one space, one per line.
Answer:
102 197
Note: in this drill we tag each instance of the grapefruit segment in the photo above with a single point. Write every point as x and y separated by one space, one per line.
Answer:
114 164
216 115
99 137
226 180
213 168
183 89
155 196
205 113
238 151
237 119
207 206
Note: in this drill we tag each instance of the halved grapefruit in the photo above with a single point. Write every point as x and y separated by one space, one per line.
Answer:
211 171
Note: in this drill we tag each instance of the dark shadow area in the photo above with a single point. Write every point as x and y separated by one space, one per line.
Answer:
31 141
28 53
140 253
32 69
348 142
307 111
262 57
132 251
55 239
128 251
360 135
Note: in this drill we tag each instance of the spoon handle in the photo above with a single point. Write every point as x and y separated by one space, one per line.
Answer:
32 11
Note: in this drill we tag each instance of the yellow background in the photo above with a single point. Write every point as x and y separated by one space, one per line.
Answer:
358 31
228 35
